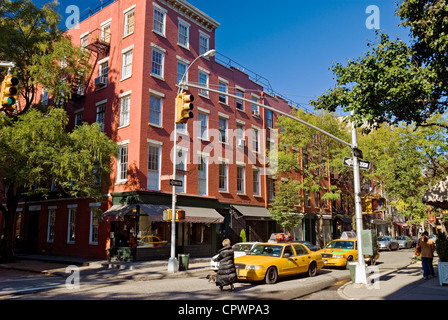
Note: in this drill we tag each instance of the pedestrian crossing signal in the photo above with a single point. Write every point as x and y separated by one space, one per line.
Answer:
180 215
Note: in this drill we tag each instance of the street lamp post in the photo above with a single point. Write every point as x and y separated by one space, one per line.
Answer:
360 274
173 265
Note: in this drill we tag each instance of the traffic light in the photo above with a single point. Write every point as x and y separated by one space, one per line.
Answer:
180 215
9 92
183 107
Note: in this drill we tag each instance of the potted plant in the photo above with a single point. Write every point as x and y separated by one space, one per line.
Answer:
442 252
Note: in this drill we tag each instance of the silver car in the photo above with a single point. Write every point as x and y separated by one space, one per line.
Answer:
404 242
239 249
387 243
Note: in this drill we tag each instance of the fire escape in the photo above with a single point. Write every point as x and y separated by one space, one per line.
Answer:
97 42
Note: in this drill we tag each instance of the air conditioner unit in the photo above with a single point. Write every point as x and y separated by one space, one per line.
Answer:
100 81
241 143
255 113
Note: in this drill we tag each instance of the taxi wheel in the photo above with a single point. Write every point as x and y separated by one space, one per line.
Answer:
271 275
312 270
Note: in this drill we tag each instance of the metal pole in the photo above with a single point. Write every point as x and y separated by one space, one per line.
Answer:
361 266
173 265
269 108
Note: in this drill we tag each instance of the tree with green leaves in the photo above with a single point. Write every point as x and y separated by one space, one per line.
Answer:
394 81
407 161
39 157
305 158
44 56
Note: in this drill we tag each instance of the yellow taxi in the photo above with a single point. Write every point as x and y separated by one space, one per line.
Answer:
151 241
339 252
269 261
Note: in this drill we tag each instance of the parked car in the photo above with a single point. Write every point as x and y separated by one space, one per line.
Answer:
404 242
387 243
239 249
151 242
339 252
310 246
268 261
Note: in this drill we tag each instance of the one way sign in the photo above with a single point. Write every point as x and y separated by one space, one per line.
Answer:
365 165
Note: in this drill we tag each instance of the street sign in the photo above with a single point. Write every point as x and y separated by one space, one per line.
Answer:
177 183
365 165
166 177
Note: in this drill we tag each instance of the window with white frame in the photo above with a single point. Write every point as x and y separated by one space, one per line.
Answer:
71 225
240 179
222 130
103 71
105 32
122 163
129 17
204 42
153 167
203 122
255 140
256 180
157 61
223 168
155 110
202 175
101 115
78 119
84 41
94 226
51 224
181 128
158 22
44 99
255 111
239 102
183 37
223 88
239 134
269 119
126 70
203 81
125 106
181 69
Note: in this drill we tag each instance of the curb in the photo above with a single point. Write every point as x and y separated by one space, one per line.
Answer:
341 288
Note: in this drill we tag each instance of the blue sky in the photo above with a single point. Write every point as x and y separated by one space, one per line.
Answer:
292 43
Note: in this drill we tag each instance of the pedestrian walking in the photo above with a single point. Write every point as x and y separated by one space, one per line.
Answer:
226 275
427 248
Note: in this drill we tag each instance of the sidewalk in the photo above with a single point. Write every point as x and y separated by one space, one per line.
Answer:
138 270
405 283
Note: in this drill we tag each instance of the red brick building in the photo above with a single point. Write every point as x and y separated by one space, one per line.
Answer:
140 50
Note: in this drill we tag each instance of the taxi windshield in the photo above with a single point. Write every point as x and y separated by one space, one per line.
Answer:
340 244
267 250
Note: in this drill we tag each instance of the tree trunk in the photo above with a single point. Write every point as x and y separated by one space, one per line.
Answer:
9 217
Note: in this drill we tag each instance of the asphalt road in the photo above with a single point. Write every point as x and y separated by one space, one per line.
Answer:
31 286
